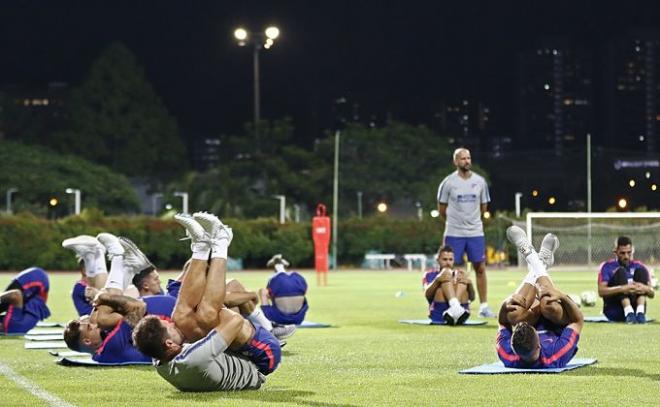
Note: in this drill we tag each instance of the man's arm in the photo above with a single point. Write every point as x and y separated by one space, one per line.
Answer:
442 208
13 297
484 207
443 277
605 291
572 313
237 298
130 309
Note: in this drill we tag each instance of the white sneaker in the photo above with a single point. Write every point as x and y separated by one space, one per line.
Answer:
111 244
134 259
277 259
486 312
214 227
283 331
518 237
81 245
200 239
549 246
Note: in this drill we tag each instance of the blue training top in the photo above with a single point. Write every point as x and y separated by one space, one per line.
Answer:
556 349
286 284
79 301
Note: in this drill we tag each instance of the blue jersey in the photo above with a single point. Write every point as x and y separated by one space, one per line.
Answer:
263 350
117 346
429 276
286 284
173 287
557 349
161 305
34 285
83 307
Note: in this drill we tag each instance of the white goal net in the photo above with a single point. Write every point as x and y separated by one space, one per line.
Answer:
588 238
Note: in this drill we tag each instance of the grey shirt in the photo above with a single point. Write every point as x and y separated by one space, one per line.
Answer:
463 198
203 366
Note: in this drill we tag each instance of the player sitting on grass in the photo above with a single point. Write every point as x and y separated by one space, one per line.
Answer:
190 348
23 303
447 290
539 325
624 284
283 300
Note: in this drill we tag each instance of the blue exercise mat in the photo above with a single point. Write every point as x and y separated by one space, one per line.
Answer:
92 362
310 324
498 368
12 334
603 318
429 322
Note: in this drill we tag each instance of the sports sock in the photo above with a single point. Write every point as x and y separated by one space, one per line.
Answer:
535 265
257 317
279 268
220 248
454 302
89 259
201 254
640 309
116 278
100 267
483 306
628 310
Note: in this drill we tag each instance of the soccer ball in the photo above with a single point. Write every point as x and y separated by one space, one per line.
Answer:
588 298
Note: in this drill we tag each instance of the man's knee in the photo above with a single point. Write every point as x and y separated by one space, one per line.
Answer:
445 276
551 310
641 276
620 277
479 268
235 285
206 314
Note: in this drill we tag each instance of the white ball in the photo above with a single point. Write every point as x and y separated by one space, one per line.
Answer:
588 298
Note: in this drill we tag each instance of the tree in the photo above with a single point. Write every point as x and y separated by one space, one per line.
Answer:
116 119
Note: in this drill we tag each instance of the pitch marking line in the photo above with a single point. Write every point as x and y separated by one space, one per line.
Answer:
32 387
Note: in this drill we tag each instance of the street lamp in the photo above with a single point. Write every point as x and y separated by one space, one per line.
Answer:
184 198
282 199
359 202
258 40
76 194
517 199
10 191
154 198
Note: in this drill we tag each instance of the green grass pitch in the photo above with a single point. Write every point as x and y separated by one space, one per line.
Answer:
368 358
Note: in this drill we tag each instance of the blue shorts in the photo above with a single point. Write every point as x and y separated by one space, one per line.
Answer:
475 247
263 350
274 314
437 308
614 312
21 320
173 288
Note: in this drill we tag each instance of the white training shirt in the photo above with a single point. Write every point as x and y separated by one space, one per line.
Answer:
463 198
203 366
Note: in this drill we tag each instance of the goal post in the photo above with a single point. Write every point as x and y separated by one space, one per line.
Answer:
587 239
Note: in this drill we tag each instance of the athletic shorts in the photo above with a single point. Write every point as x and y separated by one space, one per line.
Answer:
173 288
263 350
475 247
437 308
614 312
21 320
275 315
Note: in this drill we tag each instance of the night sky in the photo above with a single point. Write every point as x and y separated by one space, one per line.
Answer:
401 58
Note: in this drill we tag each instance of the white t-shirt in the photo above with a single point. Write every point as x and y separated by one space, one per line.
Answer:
463 198
203 366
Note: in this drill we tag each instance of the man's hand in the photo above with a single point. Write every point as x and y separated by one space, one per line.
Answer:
90 293
640 289
517 300
551 294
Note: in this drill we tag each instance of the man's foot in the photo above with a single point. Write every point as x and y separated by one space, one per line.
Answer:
486 312
549 246
111 244
283 331
640 318
199 238
518 237
630 318
448 318
464 316
216 230
81 245
134 259
277 259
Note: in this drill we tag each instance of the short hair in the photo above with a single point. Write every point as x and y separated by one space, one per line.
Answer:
623 241
445 249
458 150
149 337
141 275
524 340
72 335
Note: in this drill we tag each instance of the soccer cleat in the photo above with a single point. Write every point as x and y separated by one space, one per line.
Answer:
464 316
549 246
277 259
211 224
111 244
486 312
200 240
448 318
640 318
81 245
134 259
518 237
283 331
630 318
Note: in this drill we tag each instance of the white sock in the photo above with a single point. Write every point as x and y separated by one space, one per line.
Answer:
258 318
117 275
535 265
89 259
640 309
483 306
454 302
530 278
628 310
99 264
220 249
201 255
279 268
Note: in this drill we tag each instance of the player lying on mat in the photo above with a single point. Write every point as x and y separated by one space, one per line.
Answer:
539 325
283 300
190 348
447 290
23 303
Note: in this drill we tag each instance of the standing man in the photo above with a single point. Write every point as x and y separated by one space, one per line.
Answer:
462 197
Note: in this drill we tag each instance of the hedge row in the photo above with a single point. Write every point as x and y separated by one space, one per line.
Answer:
26 240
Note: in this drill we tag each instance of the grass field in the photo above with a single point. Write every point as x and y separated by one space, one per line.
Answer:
368 358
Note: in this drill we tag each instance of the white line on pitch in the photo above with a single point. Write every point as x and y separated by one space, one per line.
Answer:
32 387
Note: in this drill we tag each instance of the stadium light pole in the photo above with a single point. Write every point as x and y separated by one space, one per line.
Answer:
76 194
184 199
589 198
10 191
154 199
258 41
517 198
335 201
282 200
359 202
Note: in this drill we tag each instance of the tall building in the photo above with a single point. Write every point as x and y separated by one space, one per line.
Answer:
555 97
632 92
